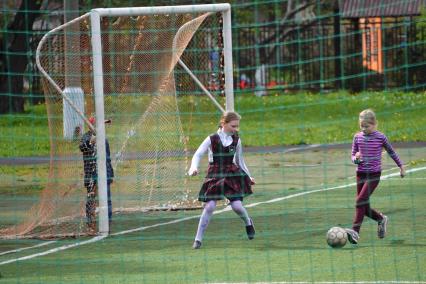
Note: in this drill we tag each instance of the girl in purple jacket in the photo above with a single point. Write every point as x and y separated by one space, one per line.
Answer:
367 148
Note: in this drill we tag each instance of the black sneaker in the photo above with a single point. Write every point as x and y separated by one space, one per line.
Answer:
353 236
250 230
196 244
382 227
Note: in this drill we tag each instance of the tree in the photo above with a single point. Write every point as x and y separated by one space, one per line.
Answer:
14 56
298 15
275 24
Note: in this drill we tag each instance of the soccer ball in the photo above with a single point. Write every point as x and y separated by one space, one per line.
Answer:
337 237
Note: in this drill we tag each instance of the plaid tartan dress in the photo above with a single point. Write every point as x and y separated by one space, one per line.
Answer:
224 178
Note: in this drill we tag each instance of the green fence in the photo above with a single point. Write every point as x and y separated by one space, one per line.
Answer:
303 72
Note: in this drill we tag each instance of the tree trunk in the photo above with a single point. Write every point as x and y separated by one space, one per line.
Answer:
15 59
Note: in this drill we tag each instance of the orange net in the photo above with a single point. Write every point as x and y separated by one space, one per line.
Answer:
142 83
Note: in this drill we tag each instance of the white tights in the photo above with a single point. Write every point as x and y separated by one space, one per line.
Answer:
210 206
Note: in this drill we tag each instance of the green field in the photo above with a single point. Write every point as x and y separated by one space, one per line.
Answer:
290 242
302 190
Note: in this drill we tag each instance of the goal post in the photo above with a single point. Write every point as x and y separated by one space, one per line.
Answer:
96 15
137 66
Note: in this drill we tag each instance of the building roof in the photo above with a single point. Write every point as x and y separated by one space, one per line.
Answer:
380 8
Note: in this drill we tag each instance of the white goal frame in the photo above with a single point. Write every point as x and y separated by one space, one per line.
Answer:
98 81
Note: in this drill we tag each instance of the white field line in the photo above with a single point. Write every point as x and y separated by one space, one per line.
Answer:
228 208
326 282
139 229
329 188
61 248
25 248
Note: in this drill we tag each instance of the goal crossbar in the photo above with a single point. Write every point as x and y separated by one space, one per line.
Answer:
136 11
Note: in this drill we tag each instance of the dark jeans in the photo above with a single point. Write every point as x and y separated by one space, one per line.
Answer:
366 183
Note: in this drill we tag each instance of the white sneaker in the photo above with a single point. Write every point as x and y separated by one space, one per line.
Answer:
196 244
353 236
382 227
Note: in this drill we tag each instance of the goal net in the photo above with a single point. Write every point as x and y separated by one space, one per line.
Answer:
149 59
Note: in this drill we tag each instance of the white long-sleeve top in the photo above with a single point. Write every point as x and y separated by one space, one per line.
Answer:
226 140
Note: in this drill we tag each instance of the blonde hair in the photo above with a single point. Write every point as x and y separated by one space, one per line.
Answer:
368 116
229 116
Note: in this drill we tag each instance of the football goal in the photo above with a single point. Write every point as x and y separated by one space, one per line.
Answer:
131 65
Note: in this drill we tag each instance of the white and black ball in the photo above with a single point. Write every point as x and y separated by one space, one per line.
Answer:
337 237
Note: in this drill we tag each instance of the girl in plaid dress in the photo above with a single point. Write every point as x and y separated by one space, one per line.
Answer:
227 174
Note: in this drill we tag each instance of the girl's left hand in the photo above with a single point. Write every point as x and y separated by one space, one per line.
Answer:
253 182
402 171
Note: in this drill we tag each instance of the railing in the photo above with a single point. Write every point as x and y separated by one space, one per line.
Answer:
321 58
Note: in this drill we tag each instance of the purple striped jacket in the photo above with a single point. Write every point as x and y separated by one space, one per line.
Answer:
370 146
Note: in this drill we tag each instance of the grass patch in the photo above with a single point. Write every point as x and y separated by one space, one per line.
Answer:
290 242
280 119
289 245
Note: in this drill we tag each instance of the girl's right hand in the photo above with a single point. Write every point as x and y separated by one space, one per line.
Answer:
193 172
358 158
253 182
